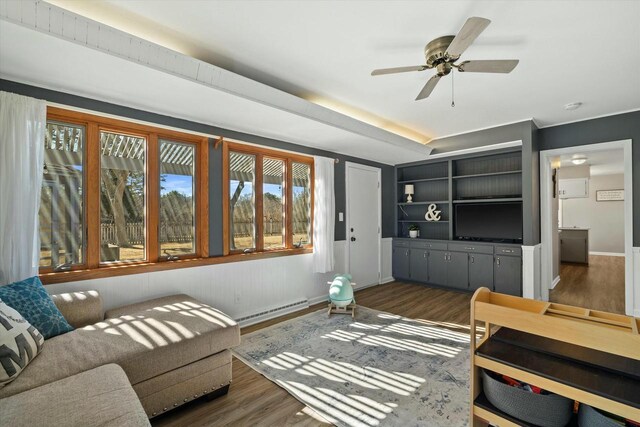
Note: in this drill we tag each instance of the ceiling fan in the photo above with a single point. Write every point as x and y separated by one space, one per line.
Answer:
443 52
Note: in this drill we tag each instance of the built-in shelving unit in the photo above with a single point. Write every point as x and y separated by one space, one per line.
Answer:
480 178
584 355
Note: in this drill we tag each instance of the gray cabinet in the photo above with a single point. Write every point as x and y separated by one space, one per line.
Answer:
437 268
457 265
418 265
574 245
401 262
508 275
480 271
458 270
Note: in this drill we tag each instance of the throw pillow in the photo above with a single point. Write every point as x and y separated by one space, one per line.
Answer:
31 300
20 343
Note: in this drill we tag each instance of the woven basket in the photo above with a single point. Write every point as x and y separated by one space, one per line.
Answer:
545 410
589 417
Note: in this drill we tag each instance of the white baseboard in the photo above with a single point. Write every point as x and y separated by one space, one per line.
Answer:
555 282
319 299
386 280
607 253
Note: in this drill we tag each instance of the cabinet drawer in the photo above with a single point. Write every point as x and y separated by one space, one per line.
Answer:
401 243
429 245
471 247
508 250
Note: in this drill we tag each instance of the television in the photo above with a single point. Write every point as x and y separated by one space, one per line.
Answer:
491 222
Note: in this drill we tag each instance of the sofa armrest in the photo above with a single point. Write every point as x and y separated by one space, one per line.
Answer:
80 308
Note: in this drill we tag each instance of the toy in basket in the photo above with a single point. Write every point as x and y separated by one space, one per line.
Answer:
341 300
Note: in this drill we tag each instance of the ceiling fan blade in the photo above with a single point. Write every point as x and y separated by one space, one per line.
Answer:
428 88
489 66
398 70
469 32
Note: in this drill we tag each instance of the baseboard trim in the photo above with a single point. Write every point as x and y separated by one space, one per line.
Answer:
319 299
387 280
555 282
272 314
607 253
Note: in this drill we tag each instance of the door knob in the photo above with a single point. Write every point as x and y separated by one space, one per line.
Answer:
353 239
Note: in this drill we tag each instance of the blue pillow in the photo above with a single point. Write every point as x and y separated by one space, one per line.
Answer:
29 298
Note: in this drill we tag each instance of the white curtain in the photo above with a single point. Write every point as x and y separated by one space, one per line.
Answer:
22 128
323 215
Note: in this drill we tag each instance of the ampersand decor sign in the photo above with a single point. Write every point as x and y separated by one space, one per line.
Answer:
432 214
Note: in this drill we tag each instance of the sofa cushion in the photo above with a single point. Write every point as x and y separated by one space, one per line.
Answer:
34 303
98 397
168 333
20 343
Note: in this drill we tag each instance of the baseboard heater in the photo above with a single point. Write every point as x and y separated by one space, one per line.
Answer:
273 312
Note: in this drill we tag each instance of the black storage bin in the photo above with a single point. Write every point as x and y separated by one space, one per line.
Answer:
590 417
545 410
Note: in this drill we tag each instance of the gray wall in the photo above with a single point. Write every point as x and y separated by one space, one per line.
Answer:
215 163
604 129
604 219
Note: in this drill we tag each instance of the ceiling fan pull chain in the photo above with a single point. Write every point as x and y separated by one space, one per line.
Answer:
453 103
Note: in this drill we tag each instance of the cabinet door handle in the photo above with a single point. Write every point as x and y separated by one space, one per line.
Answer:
470 249
498 261
472 260
424 255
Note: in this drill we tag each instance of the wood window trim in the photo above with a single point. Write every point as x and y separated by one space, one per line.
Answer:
260 153
94 124
125 269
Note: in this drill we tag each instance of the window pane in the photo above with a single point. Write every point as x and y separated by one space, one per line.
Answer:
273 203
241 201
122 197
61 214
177 201
301 203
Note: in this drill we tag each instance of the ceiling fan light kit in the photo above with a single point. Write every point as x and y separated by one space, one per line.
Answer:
442 53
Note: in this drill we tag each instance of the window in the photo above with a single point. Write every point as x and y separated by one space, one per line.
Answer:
242 206
301 203
61 215
177 199
117 193
273 205
122 197
269 199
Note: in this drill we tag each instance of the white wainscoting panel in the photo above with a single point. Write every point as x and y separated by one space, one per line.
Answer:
385 264
636 282
531 272
239 289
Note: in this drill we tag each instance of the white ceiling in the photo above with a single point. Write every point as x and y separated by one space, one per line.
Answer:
50 47
604 162
586 51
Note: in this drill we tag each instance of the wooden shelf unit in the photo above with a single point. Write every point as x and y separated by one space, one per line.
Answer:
596 335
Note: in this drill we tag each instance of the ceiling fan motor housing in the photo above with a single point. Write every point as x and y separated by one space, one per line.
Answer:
435 52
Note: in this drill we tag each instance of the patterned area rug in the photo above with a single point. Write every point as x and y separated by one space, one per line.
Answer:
378 369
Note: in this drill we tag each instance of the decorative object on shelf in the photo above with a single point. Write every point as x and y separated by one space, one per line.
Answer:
408 190
341 300
609 195
413 231
432 214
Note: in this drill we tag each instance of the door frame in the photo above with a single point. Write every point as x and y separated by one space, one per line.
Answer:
347 167
546 157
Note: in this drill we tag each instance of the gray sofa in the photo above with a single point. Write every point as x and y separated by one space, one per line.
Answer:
172 350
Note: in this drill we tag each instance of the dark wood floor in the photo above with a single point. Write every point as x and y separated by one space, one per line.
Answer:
255 401
598 286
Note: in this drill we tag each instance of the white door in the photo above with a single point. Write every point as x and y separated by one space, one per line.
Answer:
573 188
363 223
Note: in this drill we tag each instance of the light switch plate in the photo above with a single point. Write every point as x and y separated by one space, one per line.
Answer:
340 216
